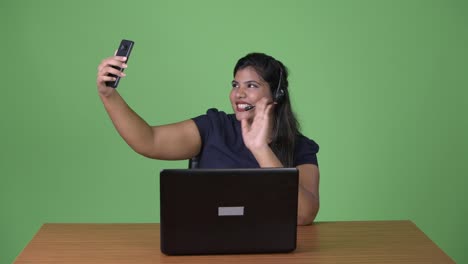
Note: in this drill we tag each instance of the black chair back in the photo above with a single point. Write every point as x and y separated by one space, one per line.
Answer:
193 163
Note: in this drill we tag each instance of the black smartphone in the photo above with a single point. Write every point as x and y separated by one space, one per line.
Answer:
125 48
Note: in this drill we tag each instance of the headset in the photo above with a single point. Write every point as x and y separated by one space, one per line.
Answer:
279 93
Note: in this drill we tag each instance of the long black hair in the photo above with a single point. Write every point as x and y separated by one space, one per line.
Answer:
285 124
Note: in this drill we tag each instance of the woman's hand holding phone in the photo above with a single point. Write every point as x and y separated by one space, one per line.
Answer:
105 69
110 70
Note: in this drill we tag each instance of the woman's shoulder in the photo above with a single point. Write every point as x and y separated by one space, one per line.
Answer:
303 142
306 151
214 112
217 115
214 118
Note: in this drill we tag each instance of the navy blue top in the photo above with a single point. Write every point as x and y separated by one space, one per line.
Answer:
223 145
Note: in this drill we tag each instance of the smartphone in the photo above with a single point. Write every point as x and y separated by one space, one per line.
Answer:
125 48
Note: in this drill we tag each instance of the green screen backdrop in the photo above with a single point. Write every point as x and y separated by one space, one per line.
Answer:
380 85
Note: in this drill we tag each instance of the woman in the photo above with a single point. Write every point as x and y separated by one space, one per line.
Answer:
262 132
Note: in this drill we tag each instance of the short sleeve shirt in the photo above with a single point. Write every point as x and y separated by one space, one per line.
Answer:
223 145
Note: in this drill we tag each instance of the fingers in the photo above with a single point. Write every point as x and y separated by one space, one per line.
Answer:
110 70
261 104
269 109
245 126
264 108
109 65
118 61
102 79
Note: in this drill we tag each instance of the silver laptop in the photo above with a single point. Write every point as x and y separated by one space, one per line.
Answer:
228 211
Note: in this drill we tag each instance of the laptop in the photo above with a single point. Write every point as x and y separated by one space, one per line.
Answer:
228 211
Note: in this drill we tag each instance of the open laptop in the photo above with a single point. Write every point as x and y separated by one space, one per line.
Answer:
228 211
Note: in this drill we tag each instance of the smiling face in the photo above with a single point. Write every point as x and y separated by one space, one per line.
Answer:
247 89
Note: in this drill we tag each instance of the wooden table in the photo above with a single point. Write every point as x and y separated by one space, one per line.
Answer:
323 242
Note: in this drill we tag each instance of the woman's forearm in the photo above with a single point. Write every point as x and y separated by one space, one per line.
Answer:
308 206
266 158
308 203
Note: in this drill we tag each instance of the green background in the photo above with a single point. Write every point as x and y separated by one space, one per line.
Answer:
380 85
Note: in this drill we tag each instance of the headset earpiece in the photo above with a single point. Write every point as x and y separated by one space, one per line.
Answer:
279 93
